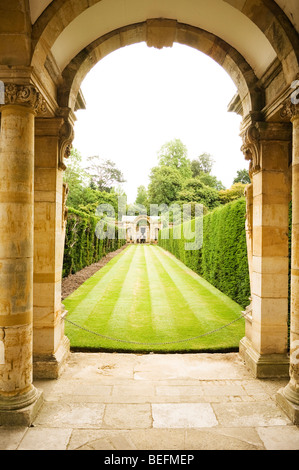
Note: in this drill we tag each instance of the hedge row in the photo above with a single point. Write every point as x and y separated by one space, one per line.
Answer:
222 259
82 246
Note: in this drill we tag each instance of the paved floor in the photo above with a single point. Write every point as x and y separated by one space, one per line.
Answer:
156 402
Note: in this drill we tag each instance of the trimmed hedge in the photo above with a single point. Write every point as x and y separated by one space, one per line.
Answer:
82 246
222 259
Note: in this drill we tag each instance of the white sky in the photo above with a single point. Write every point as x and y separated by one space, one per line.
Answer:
139 98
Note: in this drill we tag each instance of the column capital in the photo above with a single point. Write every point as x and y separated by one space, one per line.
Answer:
290 110
290 107
24 95
257 133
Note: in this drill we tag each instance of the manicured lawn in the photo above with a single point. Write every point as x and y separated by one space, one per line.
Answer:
145 295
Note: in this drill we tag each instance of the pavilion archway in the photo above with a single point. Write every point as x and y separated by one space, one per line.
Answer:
141 228
47 48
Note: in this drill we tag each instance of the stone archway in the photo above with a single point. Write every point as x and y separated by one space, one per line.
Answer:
47 48
163 33
140 229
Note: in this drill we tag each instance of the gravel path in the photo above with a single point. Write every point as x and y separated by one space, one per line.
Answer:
73 281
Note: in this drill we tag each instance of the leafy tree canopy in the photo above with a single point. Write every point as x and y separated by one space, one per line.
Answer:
235 192
242 177
174 154
142 196
84 196
202 164
165 184
137 209
76 178
104 174
194 190
92 199
211 181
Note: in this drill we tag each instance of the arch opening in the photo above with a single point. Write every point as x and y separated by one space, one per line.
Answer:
161 33
45 55
148 96
133 226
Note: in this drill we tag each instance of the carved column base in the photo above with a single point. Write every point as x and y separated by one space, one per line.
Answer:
288 400
264 366
20 410
51 366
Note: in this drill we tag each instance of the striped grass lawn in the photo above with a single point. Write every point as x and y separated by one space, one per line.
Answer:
145 295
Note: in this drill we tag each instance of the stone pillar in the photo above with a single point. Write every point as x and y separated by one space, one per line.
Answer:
267 146
249 242
288 398
248 225
19 399
50 345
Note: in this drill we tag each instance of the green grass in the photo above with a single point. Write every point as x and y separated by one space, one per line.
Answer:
146 295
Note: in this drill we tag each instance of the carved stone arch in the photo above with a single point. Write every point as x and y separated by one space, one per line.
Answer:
139 218
51 23
275 25
265 14
159 33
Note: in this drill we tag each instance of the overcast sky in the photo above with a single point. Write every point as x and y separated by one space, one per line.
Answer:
139 98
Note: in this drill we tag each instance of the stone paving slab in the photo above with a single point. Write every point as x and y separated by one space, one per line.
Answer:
250 414
39 438
123 416
183 415
156 402
71 415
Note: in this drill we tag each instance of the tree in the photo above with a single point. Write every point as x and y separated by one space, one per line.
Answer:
103 174
202 164
195 191
76 178
137 209
211 181
235 192
165 184
242 177
92 199
174 154
84 196
142 197
141 205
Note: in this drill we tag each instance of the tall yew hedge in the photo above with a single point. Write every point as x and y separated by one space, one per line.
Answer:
82 246
222 259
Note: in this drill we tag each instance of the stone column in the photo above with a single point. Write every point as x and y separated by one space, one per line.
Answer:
288 398
267 146
248 225
19 399
249 241
50 346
